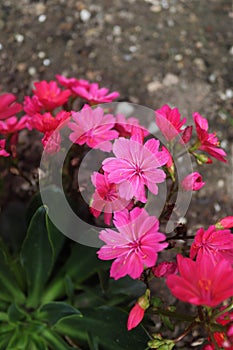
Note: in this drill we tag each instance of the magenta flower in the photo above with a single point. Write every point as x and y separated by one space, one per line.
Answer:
134 246
213 243
50 95
201 282
72 82
136 166
12 125
3 152
192 182
169 122
126 126
92 127
136 315
8 106
207 142
47 123
106 197
164 269
52 142
226 222
32 105
94 95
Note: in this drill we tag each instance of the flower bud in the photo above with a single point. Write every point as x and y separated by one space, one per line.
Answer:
224 223
192 182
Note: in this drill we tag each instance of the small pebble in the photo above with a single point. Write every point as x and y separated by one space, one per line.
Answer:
217 207
170 79
117 30
85 15
19 38
178 57
212 78
156 8
41 54
1 46
133 49
154 86
31 71
231 51
42 18
46 62
229 93
220 183
200 63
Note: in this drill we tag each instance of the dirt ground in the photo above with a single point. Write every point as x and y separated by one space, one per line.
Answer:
152 51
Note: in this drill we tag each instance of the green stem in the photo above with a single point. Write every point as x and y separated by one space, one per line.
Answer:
175 315
222 312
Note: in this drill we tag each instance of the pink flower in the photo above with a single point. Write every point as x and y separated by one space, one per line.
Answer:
165 269
136 166
52 142
168 121
126 126
13 125
106 197
32 105
207 142
70 83
192 182
94 95
50 95
213 243
92 127
226 222
3 152
134 246
8 106
201 282
47 123
135 316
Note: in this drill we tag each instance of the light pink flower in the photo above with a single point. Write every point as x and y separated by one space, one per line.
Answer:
201 282
52 142
94 94
135 316
207 142
126 126
169 122
3 152
165 269
136 166
192 182
106 197
213 243
50 95
8 106
134 246
93 127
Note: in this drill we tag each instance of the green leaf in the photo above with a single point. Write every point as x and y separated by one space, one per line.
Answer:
38 343
13 224
15 314
54 311
37 257
81 264
55 341
56 238
105 324
4 340
9 288
126 286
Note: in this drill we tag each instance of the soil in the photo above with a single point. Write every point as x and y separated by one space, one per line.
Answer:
152 51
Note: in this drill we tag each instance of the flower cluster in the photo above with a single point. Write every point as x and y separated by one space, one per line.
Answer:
139 163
